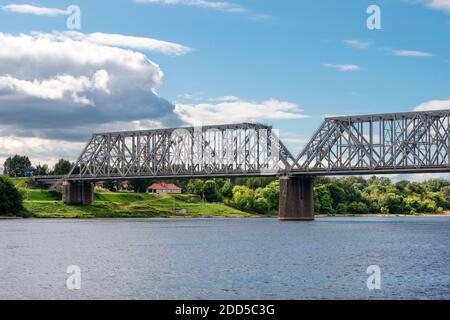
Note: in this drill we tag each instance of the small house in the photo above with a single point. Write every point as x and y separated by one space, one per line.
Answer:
164 188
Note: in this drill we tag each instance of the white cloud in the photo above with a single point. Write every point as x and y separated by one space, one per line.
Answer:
358 44
411 53
57 87
343 67
39 150
118 40
441 5
30 9
238 111
226 99
434 105
216 5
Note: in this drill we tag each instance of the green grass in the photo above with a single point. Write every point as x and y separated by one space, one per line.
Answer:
22 183
48 204
40 203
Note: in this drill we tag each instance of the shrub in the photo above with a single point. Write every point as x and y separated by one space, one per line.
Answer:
10 199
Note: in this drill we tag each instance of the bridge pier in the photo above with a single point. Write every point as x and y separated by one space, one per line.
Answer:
78 193
296 199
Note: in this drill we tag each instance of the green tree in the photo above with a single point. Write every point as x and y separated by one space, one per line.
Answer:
227 189
112 186
393 203
243 197
140 185
337 194
323 201
210 191
358 208
269 196
17 166
195 186
10 199
42 170
261 205
62 167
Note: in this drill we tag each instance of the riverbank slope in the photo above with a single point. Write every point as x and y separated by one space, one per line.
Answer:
48 204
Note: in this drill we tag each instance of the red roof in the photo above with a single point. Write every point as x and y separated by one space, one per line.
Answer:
164 186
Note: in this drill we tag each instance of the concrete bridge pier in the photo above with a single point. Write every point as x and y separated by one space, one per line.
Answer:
296 199
78 192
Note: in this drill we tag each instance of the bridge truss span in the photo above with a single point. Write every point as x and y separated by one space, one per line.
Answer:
386 143
224 150
414 142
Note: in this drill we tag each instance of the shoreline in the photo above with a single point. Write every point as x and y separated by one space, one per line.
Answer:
320 216
379 215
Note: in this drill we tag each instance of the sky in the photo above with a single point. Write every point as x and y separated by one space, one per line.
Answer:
144 64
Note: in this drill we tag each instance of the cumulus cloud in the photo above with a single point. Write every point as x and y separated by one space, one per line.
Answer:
30 9
59 87
343 67
235 111
56 88
434 105
216 5
38 150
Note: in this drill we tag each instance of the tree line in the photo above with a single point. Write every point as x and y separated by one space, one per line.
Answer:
20 166
349 195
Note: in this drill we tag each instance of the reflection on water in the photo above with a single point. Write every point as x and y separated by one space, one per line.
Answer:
226 259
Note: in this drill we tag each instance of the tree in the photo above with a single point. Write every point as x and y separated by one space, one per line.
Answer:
10 199
243 197
210 191
270 194
393 203
337 194
446 192
358 208
195 186
323 201
17 166
112 186
42 170
140 185
227 189
62 167
261 205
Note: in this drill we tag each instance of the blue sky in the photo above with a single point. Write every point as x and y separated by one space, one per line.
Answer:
317 56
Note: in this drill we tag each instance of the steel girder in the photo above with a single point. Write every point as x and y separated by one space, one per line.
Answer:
225 150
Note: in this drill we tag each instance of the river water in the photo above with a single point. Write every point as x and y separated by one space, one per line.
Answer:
226 259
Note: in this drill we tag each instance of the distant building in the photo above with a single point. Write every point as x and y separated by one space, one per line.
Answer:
164 188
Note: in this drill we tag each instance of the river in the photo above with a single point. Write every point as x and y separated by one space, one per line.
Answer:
226 258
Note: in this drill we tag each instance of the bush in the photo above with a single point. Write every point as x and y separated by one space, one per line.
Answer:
261 205
10 199
243 198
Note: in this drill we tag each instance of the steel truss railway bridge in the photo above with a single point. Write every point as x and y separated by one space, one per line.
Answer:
415 142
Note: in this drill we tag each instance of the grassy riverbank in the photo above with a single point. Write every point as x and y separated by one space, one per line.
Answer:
40 203
48 204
